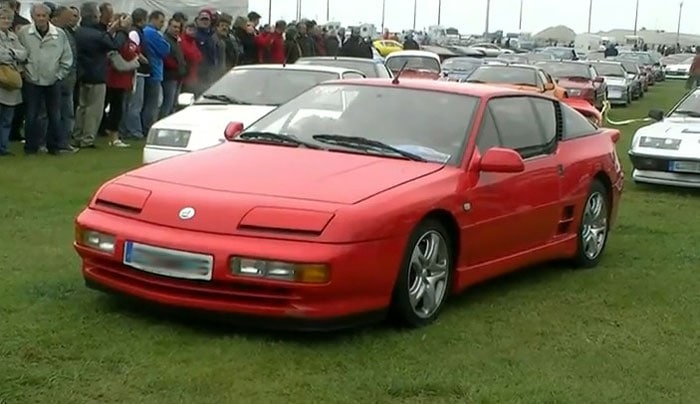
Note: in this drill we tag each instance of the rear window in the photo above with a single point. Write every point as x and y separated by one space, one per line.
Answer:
561 70
504 74
368 67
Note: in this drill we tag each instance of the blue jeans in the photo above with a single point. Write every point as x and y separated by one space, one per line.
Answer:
7 112
50 98
152 99
171 89
131 125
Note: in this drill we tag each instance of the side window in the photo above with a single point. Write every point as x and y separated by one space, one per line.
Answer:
548 118
351 75
517 131
538 78
488 134
575 124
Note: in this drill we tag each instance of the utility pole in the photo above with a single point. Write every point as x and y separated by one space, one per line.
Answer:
590 14
269 12
328 10
488 15
383 15
439 11
678 30
636 17
520 20
415 13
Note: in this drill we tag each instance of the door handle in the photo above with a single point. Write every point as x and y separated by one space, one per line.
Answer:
560 169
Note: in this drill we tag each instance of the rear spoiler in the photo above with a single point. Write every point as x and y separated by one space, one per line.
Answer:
586 109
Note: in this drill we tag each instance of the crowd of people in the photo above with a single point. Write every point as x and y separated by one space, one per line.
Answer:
72 74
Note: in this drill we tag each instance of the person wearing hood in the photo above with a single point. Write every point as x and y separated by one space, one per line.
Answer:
193 57
410 44
306 42
292 49
356 46
333 43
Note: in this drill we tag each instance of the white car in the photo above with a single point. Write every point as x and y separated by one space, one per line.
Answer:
244 94
668 151
680 69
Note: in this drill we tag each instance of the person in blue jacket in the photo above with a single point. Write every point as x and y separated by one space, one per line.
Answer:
156 48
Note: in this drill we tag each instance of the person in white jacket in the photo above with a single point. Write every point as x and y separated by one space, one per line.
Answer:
49 60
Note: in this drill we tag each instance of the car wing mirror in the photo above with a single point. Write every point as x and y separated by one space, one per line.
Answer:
598 79
500 160
232 130
656 114
548 86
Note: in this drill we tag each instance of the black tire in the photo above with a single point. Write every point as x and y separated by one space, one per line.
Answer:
583 258
402 308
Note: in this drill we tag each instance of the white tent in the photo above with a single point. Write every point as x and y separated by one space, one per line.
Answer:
169 7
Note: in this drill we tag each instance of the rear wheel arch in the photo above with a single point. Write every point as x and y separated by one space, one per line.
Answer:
607 183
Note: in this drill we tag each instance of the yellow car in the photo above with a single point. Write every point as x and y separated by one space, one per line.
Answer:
387 46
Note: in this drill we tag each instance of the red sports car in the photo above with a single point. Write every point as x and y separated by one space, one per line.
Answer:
358 199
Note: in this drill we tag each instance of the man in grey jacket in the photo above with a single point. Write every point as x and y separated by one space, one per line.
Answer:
49 60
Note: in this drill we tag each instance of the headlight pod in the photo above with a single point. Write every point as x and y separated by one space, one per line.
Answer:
96 240
659 143
281 271
168 137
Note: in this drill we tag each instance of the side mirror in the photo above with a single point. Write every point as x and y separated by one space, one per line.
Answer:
548 86
232 130
185 99
598 79
499 160
656 114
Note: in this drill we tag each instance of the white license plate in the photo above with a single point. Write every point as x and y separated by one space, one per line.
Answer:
615 94
167 262
685 167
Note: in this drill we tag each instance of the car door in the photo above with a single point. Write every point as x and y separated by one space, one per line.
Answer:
515 212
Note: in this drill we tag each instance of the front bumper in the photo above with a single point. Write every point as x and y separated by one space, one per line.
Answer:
656 170
361 285
617 95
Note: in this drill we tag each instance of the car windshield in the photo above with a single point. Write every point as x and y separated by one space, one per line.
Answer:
689 106
560 53
272 86
564 70
688 61
504 74
366 66
461 64
429 124
630 67
414 63
609 69
643 58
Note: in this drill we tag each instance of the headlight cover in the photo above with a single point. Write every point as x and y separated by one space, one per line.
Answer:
573 92
278 270
168 137
659 143
96 240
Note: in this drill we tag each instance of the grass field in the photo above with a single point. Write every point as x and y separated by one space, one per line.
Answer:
627 332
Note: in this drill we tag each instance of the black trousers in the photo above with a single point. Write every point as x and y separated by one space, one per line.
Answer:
115 100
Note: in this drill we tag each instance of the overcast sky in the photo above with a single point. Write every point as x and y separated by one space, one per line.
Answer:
469 16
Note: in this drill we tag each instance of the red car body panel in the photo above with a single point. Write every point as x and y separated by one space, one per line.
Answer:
586 87
585 108
353 212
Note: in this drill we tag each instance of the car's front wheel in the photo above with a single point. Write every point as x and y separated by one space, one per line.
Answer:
425 276
594 229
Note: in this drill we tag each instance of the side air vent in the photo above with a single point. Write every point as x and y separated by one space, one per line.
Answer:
117 206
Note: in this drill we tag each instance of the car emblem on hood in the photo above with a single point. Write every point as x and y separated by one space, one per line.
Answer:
187 213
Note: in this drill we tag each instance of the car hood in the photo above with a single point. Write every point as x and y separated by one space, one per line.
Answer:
283 172
213 116
685 129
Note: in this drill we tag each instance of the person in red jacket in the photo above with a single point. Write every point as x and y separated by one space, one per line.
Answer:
193 57
119 84
271 45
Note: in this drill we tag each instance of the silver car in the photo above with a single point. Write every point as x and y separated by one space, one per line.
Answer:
620 87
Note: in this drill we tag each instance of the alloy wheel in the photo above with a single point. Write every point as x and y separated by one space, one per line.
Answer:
428 274
594 226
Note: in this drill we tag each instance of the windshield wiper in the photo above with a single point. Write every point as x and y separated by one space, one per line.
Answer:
276 138
362 143
476 81
225 98
692 114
